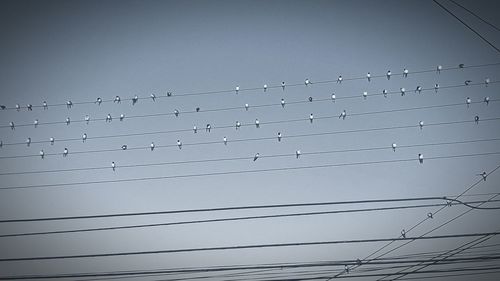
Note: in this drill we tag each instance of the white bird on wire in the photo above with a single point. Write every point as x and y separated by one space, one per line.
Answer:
333 97
421 158
208 128
152 146
467 82
65 152
476 119
439 68
109 118
339 79
224 139
98 101
45 105
405 73
113 166
418 89
283 103
35 123
42 154
384 92
29 107
153 97
238 125
195 129
237 89
307 82
124 147
12 126
368 76
135 99
257 123
297 154
68 121
468 101
257 155
403 233
176 113
343 115
487 100
389 75
18 107
365 95
421 124
403 91
87 119
279 136
122 116
28 141
311 118
436 87
394 145
484 175
246 106
117 99
179 144
486 82
52 140
84 137
265 87
283 85
69 104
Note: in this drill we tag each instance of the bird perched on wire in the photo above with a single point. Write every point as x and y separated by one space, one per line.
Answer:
68 121
84 137
436 87
307 82
176 113
403 91
339 79
224 139
35 123
405 73
195 129
18 107
117 99
208 128
98 101
42 154
197 109
368 76
246 106
152 146
257 123
28 141
439 68
169 94
343 115
87 119
12 126
421 124
45 105
365 95
310 99
311 118
421 158
29 107
69 104
124 147
257 155
238 125
333 97
461 65
283 103
51 140
384 92
388 75
122 116
109 118
113 166
468 101
486 82
65 152
487 100
279 136
467 82
476 119
403 233
283 85
265 87
179 144
237 89
135 99
418 89
153 97
484 175
3 107
297 154
394 145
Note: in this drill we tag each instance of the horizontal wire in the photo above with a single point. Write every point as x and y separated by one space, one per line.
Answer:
241 218
244 171
396 92
270 86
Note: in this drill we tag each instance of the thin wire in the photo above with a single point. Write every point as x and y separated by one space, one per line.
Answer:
296 102
474 14
271 86
241 171
239 157
466 25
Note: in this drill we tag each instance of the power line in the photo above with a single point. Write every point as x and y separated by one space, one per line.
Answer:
296 102
244 247
474 14
243 171
466 25
303 153
187 94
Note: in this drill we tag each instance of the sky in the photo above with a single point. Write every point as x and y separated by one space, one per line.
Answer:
56 51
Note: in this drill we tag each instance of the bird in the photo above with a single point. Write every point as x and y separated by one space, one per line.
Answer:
343 115
333 97
65 152
389 75
35 122
421 158
468 101
265 87
439 68
84 137
135 99
152 146
224 139
418 89
109 118
3 107
197 109
69 104
307 82
153 97
283 85
405 73
68 121
346 268
310 99
365 94
311 118
257 123
403 91
484 175
283 103
179 144
279 136
246 106
368 76
238 125
117 99
487 100
421 124
256 156
12 126
195 129
436 87
124 147
467 82
87 119
18 107
169 94
461 65
113 166
122 116
45 106
430 215
52 140
176 113
98 101
28 141
237 89
42 154
476 119
394 145
403 233
208 128
339 79
486 82
29 107
297 154
384 92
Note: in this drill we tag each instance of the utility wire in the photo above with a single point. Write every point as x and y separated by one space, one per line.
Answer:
187 94
243 171
474 14
466 25
285 155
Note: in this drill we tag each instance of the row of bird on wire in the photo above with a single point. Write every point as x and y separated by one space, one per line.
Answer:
307 82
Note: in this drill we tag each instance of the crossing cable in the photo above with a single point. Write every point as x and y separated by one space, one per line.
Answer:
187 94
68 184
255 217
475 15
295 102
368 258
466 25
244 247
260 124
284 155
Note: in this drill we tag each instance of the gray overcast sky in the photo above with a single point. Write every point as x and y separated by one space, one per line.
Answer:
80 50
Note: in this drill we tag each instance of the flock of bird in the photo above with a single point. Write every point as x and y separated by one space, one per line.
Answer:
208 127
